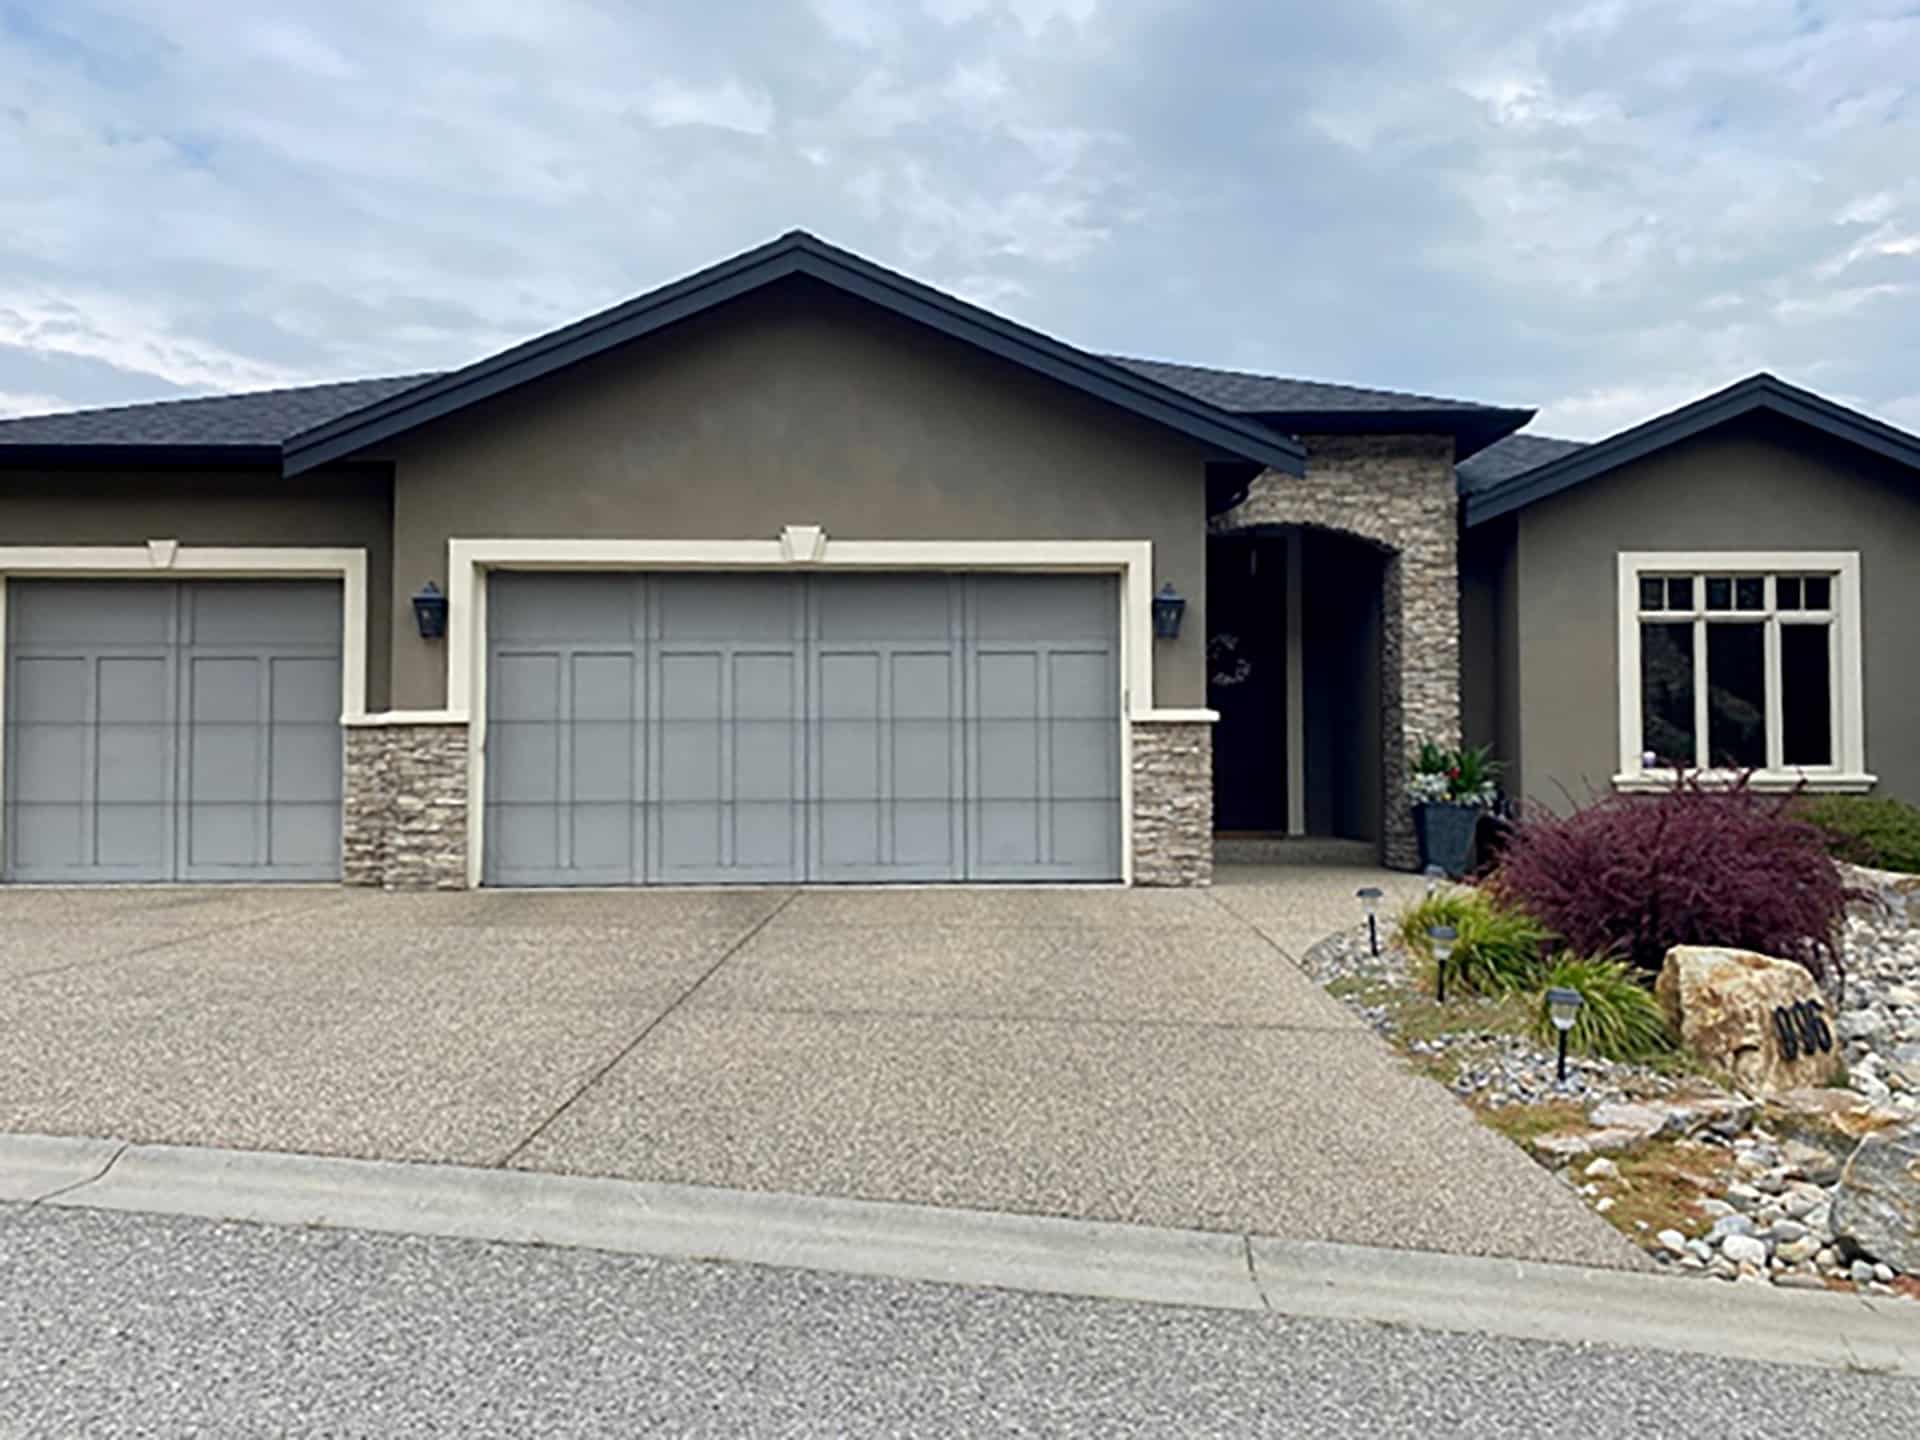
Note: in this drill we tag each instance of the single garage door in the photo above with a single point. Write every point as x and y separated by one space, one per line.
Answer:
699 728
172 731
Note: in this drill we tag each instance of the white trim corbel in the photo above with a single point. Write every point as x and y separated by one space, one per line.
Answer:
803 544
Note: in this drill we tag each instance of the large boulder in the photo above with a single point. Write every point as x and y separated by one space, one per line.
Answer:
1721 1004
1876 1210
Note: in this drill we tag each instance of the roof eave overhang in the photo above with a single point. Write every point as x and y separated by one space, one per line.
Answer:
1471 430
1220 430
84 456
1762 394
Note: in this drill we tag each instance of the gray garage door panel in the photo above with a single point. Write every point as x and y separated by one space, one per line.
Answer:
705 728
888 762
173 731
565 688
1043 722
729 725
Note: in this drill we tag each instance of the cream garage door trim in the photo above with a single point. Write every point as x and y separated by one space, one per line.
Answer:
798 548
170 560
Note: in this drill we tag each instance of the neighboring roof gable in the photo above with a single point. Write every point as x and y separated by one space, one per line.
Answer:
794 254
1316 407
248 426
1756 394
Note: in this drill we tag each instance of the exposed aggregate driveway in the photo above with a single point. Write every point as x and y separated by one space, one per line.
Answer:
1145 1056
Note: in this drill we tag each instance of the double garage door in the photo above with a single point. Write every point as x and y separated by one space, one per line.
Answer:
702 728
172 730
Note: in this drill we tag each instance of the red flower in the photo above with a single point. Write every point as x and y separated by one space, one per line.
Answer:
1454 773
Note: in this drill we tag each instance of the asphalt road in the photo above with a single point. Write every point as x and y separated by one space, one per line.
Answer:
137 1325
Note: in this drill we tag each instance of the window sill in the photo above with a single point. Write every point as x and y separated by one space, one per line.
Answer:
1766 782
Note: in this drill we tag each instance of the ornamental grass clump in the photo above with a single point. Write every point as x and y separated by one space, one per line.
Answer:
1499 950
1621 1019
1635 875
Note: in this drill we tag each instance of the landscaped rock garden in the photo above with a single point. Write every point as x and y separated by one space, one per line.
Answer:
1772 1133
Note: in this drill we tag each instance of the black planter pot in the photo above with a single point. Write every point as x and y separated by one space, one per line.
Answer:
1445 833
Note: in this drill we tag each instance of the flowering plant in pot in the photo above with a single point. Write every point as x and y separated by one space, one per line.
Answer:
1450 791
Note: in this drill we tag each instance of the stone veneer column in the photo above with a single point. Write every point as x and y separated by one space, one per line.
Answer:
1399 492
404 814
1172 802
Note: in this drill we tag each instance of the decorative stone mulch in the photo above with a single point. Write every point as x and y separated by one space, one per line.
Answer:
1772 1175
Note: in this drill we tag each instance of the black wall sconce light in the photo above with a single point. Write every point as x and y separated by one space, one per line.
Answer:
1169 608
430 611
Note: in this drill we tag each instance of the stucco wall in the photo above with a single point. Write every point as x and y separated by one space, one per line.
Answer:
801 407
213 507
1763 485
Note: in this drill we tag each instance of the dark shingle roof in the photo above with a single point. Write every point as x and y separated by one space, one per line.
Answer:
1247 393
1509 459
1309 407
262 418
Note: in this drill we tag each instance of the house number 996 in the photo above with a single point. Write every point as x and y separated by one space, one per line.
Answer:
1801 1029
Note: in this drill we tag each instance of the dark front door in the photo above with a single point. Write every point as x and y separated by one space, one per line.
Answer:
1247 681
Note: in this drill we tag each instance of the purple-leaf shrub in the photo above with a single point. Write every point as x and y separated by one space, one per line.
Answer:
1634 875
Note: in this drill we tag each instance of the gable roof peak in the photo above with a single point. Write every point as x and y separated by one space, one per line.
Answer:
796 253
1761 391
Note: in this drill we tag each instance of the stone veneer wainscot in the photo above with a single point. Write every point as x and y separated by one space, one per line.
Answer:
405 809
1172 802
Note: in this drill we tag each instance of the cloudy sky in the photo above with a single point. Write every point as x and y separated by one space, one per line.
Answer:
1603 209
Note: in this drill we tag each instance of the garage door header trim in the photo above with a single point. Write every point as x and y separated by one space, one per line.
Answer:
215 562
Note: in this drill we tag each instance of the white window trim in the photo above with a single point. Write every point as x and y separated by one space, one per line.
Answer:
170 560
1848 775
800 548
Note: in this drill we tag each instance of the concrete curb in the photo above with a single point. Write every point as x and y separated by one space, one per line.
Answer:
34 1167
1522 1300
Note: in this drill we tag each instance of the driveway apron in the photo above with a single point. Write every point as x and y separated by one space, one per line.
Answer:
1131 1055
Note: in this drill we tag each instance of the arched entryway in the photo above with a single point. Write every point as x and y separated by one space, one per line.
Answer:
1334 642
1294 670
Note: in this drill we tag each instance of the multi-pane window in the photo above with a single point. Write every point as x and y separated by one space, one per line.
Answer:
1738 669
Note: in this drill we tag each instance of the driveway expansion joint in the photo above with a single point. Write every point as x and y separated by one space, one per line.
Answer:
141 951
1253 1274
739 944
94 1179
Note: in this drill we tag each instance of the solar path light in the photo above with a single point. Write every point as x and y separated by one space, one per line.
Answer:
1441 940
1370 899
1563 1008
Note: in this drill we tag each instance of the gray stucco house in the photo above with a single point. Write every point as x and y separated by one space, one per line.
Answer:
798 570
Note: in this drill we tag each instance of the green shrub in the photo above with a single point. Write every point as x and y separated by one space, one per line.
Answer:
1621 1019
1499 951
1867 830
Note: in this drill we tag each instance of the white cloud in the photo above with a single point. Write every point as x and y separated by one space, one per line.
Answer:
296 47
1619 203
15 403
726 106
1594 414
135 338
